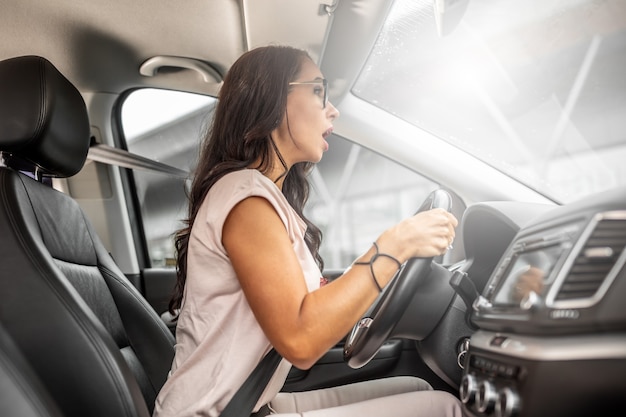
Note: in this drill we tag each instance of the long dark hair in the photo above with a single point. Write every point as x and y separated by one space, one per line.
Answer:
252 103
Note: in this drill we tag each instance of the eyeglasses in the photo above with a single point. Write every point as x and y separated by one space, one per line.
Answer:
323 82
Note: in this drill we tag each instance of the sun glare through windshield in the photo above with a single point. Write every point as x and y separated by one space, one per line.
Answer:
534 88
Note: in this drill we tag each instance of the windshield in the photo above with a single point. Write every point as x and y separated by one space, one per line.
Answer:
535 88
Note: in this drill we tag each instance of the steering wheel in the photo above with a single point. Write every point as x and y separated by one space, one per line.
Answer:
377 326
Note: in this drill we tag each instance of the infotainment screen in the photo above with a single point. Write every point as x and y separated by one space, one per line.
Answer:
527 275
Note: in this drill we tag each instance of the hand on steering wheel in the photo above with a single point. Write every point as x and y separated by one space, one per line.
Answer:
369 334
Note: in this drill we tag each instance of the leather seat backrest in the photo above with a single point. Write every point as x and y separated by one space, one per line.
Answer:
96 344
21 393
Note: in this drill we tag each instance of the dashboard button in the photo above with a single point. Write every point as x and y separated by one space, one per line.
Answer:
498 340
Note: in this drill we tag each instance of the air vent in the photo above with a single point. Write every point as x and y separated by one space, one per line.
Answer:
595 260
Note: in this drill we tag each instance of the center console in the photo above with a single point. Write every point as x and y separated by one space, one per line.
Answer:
552 320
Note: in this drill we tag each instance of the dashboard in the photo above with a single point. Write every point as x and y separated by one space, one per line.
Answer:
550 315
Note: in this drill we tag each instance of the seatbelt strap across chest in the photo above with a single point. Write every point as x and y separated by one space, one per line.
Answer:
246 397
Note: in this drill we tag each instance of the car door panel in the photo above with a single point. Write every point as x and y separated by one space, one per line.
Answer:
331 370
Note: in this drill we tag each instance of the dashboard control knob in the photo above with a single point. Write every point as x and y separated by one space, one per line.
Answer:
467 390
486 397
508 403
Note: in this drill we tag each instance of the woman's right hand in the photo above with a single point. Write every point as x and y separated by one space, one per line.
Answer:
424 235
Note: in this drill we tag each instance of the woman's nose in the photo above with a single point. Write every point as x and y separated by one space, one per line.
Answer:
332 111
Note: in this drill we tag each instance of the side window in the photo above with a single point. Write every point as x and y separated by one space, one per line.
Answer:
355 193
165 126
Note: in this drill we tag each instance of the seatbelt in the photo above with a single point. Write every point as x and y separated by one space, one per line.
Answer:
120 157
248 395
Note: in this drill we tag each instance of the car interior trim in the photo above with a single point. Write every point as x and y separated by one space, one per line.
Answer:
563 348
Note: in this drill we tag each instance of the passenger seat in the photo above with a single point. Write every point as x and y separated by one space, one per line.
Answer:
92 340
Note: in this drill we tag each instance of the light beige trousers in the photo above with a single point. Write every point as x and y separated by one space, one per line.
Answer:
397 396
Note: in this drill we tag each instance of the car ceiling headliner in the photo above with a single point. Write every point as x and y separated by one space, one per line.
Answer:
100 44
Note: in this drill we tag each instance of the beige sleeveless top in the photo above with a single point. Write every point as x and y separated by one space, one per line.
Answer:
219 342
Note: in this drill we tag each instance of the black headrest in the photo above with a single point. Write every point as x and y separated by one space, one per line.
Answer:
43 117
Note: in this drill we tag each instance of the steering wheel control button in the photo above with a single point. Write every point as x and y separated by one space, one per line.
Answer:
508 403
486 397
467 390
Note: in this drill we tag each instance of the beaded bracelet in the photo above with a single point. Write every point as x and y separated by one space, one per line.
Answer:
373 259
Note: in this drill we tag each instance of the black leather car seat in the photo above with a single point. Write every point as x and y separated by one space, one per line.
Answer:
21 393
94 342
